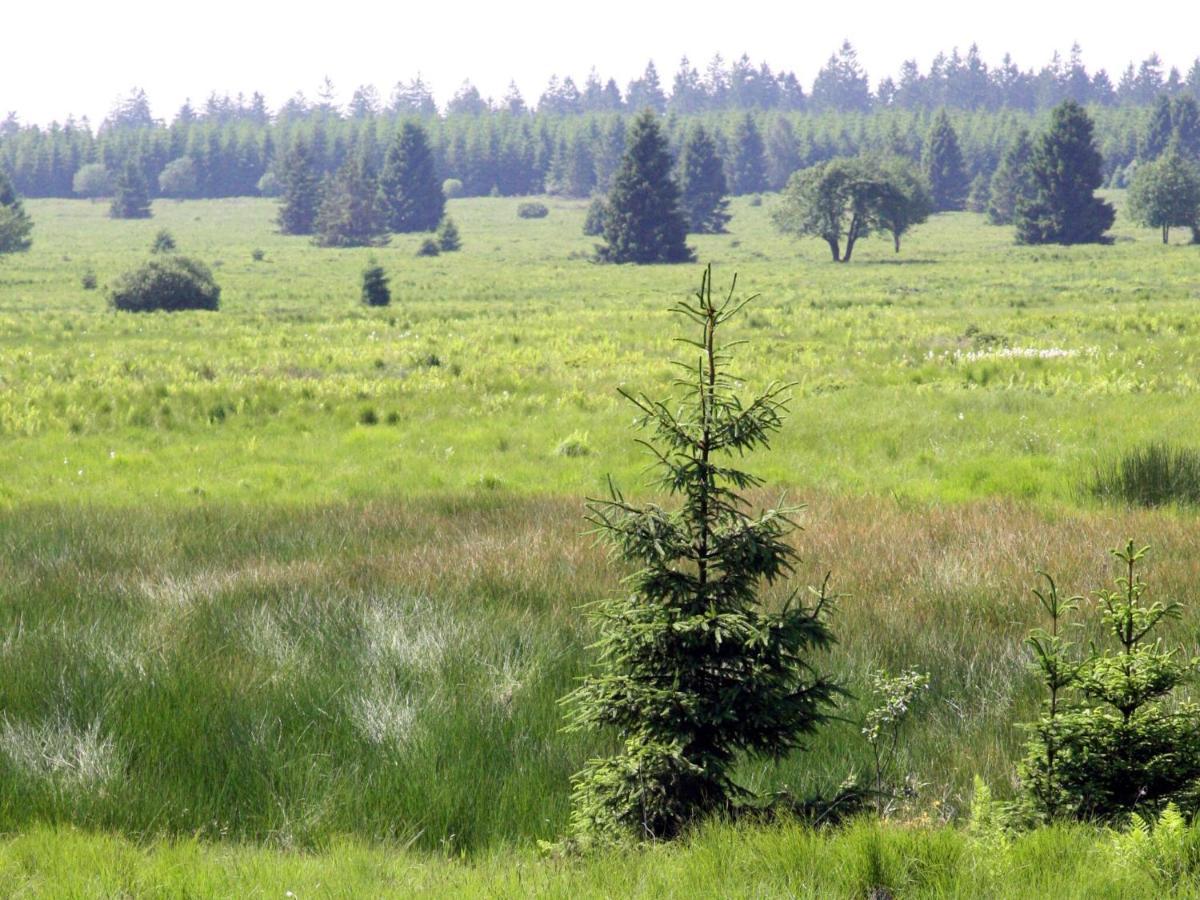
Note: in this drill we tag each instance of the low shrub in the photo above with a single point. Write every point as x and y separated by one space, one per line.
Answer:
166 283
164 242
257 255
429 247
597 212
1155 474
375 291
88 280
452 188
531 209
448 237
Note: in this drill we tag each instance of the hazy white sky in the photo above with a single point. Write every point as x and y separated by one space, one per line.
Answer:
76 57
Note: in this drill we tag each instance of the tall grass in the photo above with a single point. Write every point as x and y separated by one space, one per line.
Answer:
392 670
1156 474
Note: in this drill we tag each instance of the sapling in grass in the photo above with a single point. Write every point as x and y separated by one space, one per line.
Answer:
694 671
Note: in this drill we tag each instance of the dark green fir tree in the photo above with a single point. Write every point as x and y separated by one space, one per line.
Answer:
644 223
301 191
702 184
1066 170
375 291
131 197
1012 181
748 166
349 215
15 224
448 237
410 193
948 182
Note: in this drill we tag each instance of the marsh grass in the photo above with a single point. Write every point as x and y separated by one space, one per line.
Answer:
1156 474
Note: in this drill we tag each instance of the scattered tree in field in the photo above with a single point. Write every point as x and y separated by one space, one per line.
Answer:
131 197
694 671
702 184
597 212
1166 192
1012 180
178 178
902 200
375 291
164 242
532 209
15 224
410 193
1066 171
301 191
644 223
428 247
748 162
92 181
948 183
169 282
845 200
349 215
1112 739
448 237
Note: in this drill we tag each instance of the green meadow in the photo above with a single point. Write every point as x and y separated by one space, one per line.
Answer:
289 591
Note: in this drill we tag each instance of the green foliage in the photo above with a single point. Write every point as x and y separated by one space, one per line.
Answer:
948 181
410 193
269 185
92 181
375 290
448 237
300 191
1166 848
533 209
644 223
164 242
597 212
1155 474
1012 181
350 214
1061 207
131 197
1122 742
1166 192
88 280
894 697
452 187
702 184
1158 130
748 162
848 199
15 224
693 670
178 178
166 283
428 247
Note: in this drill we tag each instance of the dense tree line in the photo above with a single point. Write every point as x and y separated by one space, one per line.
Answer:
763 124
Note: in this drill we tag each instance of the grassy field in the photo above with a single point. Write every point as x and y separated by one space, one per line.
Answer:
291 590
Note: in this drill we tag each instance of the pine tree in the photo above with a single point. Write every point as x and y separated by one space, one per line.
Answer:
749 164
702 184
448 238
948 183
1066 170
644 223
15 223
1158 130
131 197
409 190
349 215
301 191
375 291
693 671
1012 180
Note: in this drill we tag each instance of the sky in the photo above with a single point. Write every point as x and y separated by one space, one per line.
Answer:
78 57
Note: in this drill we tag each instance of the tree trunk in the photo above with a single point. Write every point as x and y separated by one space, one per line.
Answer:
834 249
1166 233
896 240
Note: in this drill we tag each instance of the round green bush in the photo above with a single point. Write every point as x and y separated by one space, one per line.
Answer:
452 188
167 283
533 210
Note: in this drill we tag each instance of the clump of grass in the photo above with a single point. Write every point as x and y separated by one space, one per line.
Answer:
368 416
574 445
1155 474
88 280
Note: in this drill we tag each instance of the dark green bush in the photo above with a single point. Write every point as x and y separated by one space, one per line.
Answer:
448 237
531 209
375 290
429 247
1152 475
168 283
164 242
593 225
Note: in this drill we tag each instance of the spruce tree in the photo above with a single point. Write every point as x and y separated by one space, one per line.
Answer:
301 192
349 215
702 184
749 164
15 223
694 671
644 223
131 197
1158 130
410 192
448 237
948 182
1012 180
375 291
1066 170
